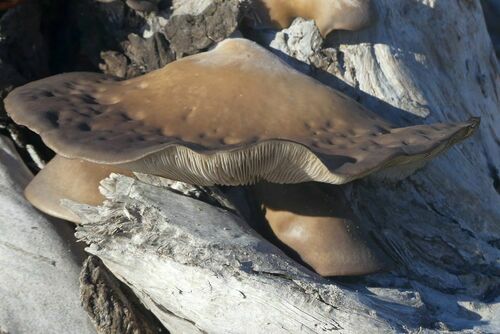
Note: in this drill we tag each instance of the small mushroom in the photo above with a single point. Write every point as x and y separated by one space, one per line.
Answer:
320 227
328 15
63 178
234 115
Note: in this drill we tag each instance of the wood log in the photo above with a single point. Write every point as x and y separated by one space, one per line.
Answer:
201 269
197 24
39 272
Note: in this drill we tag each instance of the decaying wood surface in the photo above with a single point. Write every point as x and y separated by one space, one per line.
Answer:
38 272
200 268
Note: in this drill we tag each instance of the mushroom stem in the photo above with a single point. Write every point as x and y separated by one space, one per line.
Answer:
318 225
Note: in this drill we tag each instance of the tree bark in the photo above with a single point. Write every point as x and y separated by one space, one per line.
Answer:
110 305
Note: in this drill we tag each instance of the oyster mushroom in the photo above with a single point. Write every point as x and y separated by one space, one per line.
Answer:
63 178
234 115
320 227
328 15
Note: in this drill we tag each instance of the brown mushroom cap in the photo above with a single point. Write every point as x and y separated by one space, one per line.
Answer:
320 227
63 178
233 115
328 15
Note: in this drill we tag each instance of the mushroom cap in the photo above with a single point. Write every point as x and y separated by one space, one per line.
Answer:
72 179
320 227
233 115
328 15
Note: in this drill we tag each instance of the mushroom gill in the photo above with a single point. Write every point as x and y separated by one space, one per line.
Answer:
320 227
234 115
328 15
72 179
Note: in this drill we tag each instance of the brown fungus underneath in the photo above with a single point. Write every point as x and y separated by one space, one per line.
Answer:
320 228
234 115
328 15
71 179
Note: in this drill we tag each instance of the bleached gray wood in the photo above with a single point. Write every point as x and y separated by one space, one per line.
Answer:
38 274
200 269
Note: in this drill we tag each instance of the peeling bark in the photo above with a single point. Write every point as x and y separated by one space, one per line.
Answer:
109 305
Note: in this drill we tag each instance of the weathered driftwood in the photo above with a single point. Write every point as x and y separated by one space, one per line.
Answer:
200 268
491 9
156 39
196 24
39 274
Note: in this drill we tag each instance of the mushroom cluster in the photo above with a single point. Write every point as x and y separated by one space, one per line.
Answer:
234 115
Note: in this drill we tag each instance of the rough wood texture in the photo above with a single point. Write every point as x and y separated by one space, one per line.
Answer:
201 269
195 25
39 273
109 305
